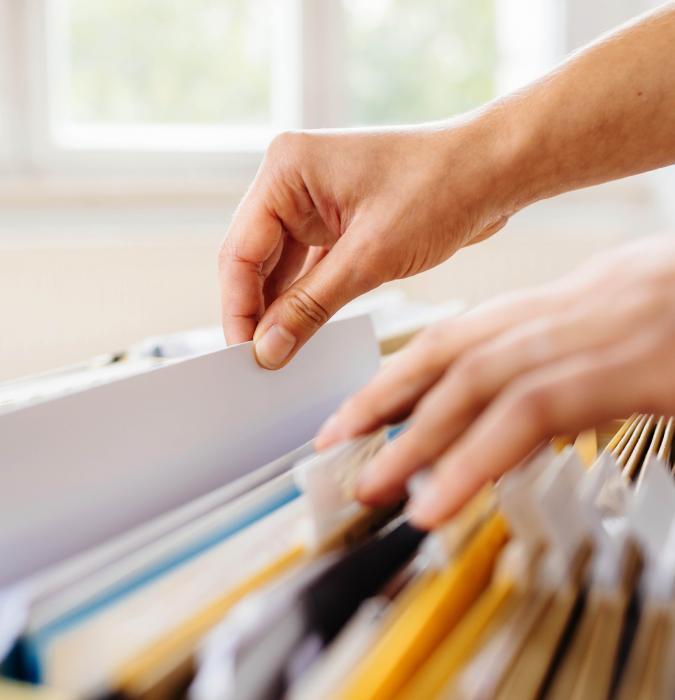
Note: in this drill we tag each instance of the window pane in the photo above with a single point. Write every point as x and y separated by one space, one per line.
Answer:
155 61
416 60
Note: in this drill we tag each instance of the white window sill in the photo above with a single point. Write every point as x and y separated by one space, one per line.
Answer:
101 206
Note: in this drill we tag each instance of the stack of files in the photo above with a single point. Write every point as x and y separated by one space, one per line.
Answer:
204 575
139 508
557 582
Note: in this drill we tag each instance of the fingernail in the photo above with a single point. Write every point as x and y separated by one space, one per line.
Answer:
275 345
425 507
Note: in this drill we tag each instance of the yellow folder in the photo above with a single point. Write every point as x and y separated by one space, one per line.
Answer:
459 645
433 607
23 691
157 671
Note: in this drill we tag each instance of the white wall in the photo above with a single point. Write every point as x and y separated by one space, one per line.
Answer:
70 292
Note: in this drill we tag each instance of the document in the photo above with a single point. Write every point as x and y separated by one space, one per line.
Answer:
83 468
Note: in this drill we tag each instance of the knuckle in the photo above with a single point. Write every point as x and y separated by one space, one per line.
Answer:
286 145
227 253
533 404
468 374
471 365
281 142
304 309
433 336
434 427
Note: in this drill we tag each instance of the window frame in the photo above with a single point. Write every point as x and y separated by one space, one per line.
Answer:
310 73
14 129
50 152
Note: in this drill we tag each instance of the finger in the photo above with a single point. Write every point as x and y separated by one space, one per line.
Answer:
396 389
480 374
435 424
277 202
384 478
285 270
307 304
566 397
300 255
475 378
253 238
390 396
314 256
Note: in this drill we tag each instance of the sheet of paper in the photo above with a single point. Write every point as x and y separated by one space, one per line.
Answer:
81 657
83 468
66 576
158 558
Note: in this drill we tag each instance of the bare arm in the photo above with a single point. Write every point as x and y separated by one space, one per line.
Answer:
334 214
607 112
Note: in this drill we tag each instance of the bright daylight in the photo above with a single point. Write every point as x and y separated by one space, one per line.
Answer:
337 356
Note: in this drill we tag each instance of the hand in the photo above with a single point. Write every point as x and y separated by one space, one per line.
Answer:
489 387
332 215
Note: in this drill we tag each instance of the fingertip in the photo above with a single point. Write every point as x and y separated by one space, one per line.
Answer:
329 433
420 521
321 443
374 489
257 333
377 484
273 346
239 330
367 497
425 509
436 502
367 491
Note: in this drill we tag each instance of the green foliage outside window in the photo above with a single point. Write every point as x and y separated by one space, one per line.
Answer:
209 61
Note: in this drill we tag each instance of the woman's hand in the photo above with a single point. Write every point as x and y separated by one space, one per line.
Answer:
487 388
332 215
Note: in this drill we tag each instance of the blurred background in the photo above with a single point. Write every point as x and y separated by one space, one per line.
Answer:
129 129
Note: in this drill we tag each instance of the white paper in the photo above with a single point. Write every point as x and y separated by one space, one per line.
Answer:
13 616
61 578
80 469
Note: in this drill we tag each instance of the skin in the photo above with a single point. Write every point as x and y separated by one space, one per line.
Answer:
487 388
331 215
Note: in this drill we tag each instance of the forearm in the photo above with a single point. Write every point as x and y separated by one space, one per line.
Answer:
607 112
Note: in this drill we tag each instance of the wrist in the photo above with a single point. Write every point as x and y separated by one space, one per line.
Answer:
487 163
510 155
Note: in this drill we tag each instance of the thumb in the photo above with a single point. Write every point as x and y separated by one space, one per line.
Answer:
294 317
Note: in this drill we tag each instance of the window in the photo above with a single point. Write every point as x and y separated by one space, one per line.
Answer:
159 62
152 73
95 83
408 61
